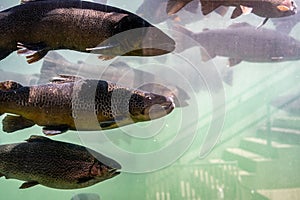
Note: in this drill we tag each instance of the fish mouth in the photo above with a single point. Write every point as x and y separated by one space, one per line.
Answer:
114 172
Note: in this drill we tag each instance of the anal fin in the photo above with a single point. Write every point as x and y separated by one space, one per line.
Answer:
13 123
28 184
106 57
236 12
33 52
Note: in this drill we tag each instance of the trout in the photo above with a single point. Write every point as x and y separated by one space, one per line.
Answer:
36 27
74 103
243 42
118 72
55 164
263 8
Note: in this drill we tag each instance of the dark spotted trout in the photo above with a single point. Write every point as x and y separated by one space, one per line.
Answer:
263 8
55 164
75 103
36 27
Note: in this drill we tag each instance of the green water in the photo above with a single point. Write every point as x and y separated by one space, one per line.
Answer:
228 143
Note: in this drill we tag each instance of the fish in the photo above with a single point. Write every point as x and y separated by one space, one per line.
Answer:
46 25
244 42
55 164
120 72
73 103
289 103
86 196
263 8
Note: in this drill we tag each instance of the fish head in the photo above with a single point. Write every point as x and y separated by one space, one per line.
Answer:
137 37
287 7
104 170
281 8
144 106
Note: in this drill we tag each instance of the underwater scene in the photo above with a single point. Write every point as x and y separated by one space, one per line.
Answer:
149 99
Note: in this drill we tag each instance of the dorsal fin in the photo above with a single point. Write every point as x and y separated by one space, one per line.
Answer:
37 138
9 85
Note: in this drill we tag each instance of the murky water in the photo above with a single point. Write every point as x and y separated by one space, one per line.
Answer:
229 142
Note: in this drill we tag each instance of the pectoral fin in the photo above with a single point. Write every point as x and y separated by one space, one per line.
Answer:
100 49
13 123
106 57
63 78
262 23
55 130
33 52
107 124
28 184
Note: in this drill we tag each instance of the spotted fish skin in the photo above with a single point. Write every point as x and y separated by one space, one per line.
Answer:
55 164
37 27
59 105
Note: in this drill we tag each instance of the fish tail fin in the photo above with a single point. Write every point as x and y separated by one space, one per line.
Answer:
208 6
12 123
173 6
